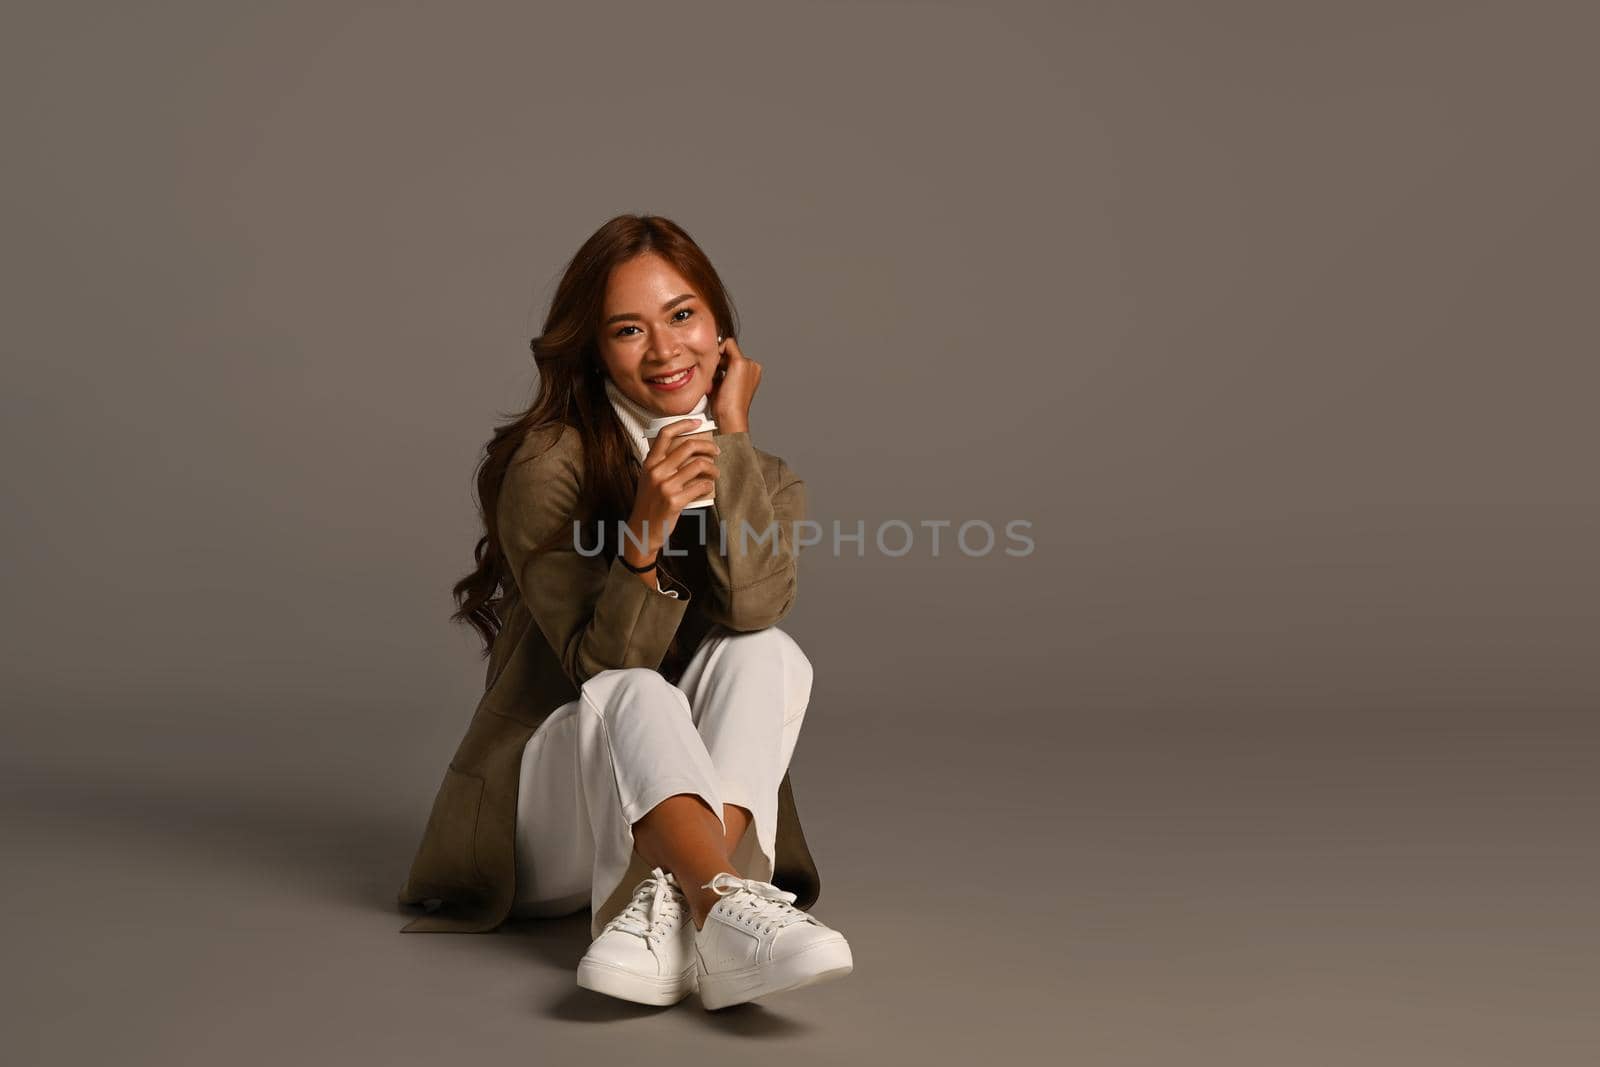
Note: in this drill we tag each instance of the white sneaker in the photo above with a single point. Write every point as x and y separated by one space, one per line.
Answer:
755 942
646 952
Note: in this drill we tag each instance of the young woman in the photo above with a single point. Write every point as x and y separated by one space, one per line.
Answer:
641 706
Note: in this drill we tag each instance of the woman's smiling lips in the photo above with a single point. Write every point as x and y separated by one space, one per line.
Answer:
682 379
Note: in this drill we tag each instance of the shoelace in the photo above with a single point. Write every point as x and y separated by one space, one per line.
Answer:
656 900
760 904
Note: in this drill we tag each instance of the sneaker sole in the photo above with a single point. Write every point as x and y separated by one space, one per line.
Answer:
827 959
616 982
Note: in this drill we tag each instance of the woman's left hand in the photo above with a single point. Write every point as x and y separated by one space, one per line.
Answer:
733 386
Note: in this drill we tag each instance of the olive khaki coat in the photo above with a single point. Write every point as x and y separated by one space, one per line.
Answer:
568 616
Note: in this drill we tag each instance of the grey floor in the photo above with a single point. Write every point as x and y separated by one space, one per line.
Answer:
1099 888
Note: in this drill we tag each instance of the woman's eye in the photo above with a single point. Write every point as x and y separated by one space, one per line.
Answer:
681 311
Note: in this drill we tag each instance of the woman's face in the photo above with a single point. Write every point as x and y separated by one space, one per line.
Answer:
654 326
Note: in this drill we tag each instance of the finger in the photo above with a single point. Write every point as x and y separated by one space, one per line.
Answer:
669 433
693 491
698 471
702 442
696 467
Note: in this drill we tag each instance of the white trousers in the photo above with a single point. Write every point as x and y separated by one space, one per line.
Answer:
597 764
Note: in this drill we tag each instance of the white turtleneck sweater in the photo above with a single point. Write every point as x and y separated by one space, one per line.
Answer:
635 421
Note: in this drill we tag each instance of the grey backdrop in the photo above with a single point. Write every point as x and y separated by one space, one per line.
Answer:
1274 320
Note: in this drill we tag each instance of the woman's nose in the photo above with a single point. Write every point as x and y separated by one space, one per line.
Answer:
664 345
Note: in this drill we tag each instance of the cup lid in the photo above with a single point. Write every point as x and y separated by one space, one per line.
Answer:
656 425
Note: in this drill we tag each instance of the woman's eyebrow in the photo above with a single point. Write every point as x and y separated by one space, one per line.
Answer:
635 315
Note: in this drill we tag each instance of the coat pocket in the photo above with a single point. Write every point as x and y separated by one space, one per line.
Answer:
448 855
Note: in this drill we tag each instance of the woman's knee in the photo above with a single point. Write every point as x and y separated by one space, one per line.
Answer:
778 644
632 691
799 663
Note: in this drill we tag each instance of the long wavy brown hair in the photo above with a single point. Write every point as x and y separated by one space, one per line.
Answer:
571 391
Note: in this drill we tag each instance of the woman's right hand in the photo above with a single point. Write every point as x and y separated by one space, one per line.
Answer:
678 470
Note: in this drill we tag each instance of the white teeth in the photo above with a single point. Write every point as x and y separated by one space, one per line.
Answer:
668 381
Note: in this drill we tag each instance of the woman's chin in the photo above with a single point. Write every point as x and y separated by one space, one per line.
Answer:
676 405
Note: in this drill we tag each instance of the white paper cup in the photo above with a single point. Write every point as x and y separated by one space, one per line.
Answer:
706 426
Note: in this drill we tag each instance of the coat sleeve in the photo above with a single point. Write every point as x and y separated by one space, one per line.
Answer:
596 615
753 571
